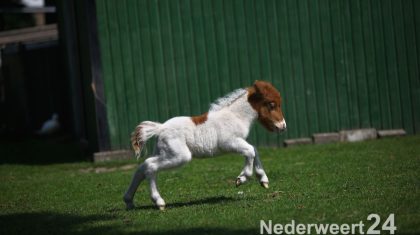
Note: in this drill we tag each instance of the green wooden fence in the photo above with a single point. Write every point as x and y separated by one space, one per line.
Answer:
338 64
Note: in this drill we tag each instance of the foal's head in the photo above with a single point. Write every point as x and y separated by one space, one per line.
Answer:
266 100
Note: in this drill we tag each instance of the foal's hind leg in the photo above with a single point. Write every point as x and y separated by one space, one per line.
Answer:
174 154
138 177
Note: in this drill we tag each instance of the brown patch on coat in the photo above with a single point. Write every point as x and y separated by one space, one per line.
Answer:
265 99
199 119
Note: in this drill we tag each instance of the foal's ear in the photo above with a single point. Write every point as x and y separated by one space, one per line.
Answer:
255 85
259 86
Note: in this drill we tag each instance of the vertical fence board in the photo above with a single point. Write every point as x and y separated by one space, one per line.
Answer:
201 55
307 65
371 68
381 64
127 75
358 94
391 59
412 26
297 70
148 68
108 71
317 48
402 63
340 60
329 65
137 63
118 82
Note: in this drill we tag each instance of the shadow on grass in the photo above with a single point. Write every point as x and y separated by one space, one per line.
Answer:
54 223
203 231
209 201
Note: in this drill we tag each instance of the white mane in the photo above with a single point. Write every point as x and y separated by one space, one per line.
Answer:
227 100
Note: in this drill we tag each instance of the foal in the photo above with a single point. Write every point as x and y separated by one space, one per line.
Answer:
223 129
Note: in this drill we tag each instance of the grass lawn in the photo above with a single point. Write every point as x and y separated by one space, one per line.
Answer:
335 183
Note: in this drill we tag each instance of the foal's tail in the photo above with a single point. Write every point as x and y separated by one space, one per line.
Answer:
142 133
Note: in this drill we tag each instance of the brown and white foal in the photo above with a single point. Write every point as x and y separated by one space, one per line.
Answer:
224 128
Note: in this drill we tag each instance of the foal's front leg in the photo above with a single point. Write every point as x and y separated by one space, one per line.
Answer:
259 171
241 146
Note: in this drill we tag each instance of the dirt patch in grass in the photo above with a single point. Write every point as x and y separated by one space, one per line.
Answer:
107 169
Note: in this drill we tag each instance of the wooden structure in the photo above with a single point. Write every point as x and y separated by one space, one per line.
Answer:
339 64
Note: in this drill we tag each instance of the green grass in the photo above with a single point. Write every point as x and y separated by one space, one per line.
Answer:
336 183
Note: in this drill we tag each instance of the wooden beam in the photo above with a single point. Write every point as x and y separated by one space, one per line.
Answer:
33 34
97 77
28 10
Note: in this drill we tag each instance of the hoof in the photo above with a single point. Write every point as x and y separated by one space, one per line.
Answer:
129 205
160 203
238 182
264 184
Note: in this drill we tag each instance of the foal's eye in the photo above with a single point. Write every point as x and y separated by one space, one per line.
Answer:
271 105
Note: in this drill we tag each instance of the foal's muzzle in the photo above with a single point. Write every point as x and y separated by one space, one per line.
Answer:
281 126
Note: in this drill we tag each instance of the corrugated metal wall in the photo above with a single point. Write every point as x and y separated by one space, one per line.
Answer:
338 64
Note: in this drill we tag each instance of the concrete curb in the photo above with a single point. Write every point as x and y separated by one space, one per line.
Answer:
324 138
296 142
113 155
391 133
358 135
